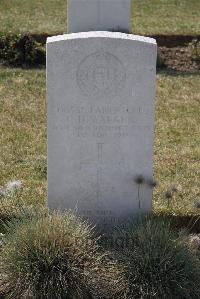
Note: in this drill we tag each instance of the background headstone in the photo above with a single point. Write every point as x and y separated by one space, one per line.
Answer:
98 15
101 89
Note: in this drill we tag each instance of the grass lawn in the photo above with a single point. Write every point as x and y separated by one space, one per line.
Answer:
148 16
166 17
177 146
23 131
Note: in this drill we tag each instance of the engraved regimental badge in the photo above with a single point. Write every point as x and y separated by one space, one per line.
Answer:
101 73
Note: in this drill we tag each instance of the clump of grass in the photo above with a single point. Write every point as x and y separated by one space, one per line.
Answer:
14 209
160 262
9 208
57 257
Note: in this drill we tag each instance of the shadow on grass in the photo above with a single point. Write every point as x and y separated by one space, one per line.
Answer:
189 222
173 73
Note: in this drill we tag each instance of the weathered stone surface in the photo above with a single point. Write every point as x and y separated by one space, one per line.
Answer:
97 15
101 89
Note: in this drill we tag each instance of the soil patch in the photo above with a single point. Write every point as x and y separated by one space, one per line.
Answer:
171 41
174 51
179 59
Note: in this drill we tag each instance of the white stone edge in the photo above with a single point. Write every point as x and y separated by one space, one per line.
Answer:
105 34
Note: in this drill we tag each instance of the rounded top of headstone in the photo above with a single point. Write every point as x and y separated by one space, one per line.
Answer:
103 34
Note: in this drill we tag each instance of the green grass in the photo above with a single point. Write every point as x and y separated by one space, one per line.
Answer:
23 131
148 16
177 144
166 17
38 16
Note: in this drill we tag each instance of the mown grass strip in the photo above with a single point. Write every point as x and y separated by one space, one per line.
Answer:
148 16
177 145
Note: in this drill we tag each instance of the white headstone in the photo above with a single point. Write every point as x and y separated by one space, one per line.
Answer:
101 89
97 15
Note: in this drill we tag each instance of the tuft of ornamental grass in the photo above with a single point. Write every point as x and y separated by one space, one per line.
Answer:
161 264
57 256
